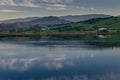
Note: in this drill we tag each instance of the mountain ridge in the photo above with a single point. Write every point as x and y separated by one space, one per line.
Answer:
72 18
78 18
51 20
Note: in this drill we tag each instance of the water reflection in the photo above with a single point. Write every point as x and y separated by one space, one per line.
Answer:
61 66
65 40
60 58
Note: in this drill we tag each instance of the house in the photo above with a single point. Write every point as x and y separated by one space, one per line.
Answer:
102 30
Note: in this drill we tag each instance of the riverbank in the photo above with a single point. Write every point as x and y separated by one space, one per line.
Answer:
52 33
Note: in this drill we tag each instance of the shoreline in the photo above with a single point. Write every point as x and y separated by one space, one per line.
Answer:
53 33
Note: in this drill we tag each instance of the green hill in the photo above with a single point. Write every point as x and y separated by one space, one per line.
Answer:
111 23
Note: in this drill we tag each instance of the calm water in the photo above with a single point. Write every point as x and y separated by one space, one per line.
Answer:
90 57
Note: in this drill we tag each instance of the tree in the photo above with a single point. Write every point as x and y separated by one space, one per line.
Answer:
118 31
37 28
1 29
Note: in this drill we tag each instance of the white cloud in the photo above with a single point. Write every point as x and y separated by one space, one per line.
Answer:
92 8
85 8
24 3
9 11
57 7
52 1
7 2
28 3
56 1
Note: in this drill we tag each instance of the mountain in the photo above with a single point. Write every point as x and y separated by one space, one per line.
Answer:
19 20
78 18
68 18
51 20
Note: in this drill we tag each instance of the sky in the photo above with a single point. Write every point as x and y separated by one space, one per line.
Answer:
11 9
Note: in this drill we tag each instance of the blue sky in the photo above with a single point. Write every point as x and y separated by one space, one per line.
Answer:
10 9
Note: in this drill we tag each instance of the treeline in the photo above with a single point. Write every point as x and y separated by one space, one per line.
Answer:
19 28
95 20
67 28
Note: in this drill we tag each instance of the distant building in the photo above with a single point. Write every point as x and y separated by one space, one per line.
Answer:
102 30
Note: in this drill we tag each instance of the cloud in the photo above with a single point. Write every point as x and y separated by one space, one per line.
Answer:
58 1
56 4
24 3
7 2
52 1
85 8
9 11
92 8
57 7
28 3
45 4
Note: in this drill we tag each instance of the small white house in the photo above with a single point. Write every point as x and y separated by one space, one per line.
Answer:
103 30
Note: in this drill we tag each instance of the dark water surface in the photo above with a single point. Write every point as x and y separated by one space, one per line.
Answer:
86 57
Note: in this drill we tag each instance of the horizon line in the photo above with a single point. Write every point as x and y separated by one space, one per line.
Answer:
57 16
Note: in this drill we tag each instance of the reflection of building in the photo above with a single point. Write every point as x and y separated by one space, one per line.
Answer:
102 36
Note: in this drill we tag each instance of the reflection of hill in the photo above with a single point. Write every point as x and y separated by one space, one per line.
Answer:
85 41
97 40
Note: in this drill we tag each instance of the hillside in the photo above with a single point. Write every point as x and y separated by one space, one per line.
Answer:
78 18
111 23
19 20
51 20
70 18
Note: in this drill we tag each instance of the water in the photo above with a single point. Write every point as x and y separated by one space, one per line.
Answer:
85 57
